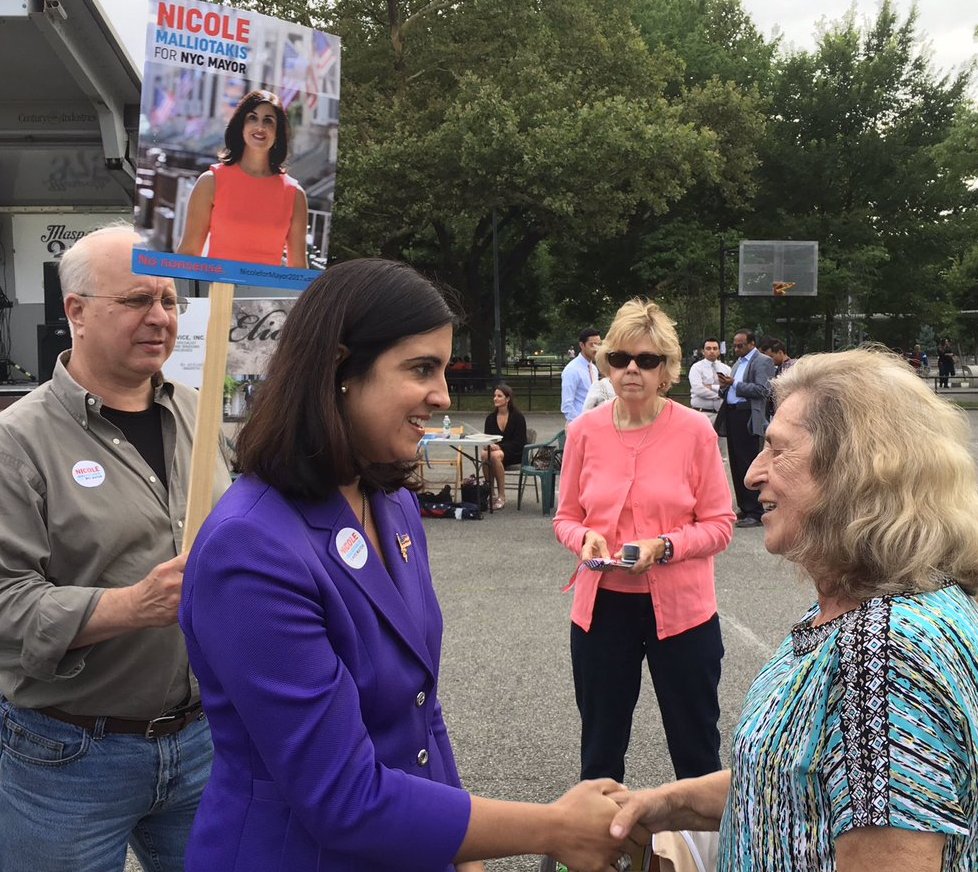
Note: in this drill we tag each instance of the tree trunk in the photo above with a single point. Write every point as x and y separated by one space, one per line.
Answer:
397 40
827 344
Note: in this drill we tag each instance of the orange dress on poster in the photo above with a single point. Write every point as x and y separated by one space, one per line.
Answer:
251 215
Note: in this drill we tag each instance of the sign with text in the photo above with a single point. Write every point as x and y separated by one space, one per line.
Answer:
45 237
255 326
239 124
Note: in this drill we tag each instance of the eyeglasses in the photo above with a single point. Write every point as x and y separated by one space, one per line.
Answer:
621 359
145 302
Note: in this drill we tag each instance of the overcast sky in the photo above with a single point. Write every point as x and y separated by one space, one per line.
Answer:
948 24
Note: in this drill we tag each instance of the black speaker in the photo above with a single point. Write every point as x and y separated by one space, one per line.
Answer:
52 339
54 307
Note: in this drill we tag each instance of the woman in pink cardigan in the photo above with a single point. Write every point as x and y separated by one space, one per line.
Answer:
646 471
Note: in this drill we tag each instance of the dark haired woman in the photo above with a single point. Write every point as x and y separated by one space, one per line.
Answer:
507 421
247 207
312 624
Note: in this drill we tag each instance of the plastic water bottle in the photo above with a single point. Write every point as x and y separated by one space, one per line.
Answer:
446 427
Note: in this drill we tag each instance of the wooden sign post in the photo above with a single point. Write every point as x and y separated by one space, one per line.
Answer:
210 406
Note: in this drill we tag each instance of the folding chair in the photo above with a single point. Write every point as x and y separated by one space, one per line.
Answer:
513 470
542 460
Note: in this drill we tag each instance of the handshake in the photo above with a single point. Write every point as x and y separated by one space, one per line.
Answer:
601 825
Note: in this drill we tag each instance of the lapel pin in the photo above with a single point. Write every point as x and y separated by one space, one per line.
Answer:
403 543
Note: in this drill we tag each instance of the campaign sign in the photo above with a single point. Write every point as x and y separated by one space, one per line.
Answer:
239 124
256 323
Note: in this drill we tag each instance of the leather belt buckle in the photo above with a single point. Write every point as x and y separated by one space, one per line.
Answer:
151 731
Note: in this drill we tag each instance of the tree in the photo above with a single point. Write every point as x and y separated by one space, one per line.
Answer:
719 64
865 154
558 118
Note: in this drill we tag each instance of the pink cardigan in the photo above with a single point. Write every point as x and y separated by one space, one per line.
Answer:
678 488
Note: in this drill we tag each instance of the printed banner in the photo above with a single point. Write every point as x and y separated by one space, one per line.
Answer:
236 162
43 238
255 326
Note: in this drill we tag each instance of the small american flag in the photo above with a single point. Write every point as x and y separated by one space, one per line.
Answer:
163 104
403 543
322 60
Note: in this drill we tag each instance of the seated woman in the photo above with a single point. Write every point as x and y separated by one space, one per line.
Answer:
313 627
507 421
247 207
856 748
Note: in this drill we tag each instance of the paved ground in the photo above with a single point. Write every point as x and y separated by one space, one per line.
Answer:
506 679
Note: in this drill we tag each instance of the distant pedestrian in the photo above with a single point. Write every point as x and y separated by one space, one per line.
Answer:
704 386
775 349
578 376
945 363
743 418
602 391
918 360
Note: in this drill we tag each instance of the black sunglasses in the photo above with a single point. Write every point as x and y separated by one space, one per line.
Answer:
645 360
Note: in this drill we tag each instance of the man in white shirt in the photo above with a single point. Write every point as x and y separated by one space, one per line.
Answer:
579 375
704 386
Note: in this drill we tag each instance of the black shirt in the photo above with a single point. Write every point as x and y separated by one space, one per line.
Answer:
144 430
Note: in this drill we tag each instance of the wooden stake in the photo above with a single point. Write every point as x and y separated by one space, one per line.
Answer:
210 407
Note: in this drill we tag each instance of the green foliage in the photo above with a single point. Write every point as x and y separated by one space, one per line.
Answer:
619 142
864 155
560 117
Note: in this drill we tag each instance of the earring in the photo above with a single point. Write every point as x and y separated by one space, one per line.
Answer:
343 389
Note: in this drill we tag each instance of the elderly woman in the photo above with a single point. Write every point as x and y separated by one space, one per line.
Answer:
646 471
856 747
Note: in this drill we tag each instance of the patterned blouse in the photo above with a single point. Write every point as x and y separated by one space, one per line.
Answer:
868 720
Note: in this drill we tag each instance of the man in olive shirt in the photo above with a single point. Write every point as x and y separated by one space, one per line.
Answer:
103 742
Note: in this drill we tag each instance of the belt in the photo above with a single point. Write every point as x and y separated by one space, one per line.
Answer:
165 725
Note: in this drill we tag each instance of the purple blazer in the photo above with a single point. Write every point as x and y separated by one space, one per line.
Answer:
318 670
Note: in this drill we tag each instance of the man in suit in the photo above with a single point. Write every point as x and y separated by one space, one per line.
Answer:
743 418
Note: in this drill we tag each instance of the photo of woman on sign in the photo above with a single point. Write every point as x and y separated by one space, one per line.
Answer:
247 207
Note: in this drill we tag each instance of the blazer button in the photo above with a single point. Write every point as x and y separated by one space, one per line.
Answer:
423 757
420 698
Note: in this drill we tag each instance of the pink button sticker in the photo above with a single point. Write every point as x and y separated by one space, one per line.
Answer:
88 473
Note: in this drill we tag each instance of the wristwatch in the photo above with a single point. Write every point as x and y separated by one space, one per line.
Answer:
667 554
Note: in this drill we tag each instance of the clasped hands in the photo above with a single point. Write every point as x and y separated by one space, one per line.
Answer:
649 551
599 821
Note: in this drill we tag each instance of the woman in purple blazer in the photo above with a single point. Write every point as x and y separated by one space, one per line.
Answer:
313 627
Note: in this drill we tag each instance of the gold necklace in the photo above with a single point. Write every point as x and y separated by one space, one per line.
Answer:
363 508
648 427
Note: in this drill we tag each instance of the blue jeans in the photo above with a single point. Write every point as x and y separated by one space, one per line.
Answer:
71 799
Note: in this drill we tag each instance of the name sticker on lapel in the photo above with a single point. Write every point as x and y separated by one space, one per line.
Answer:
352 548
88 473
